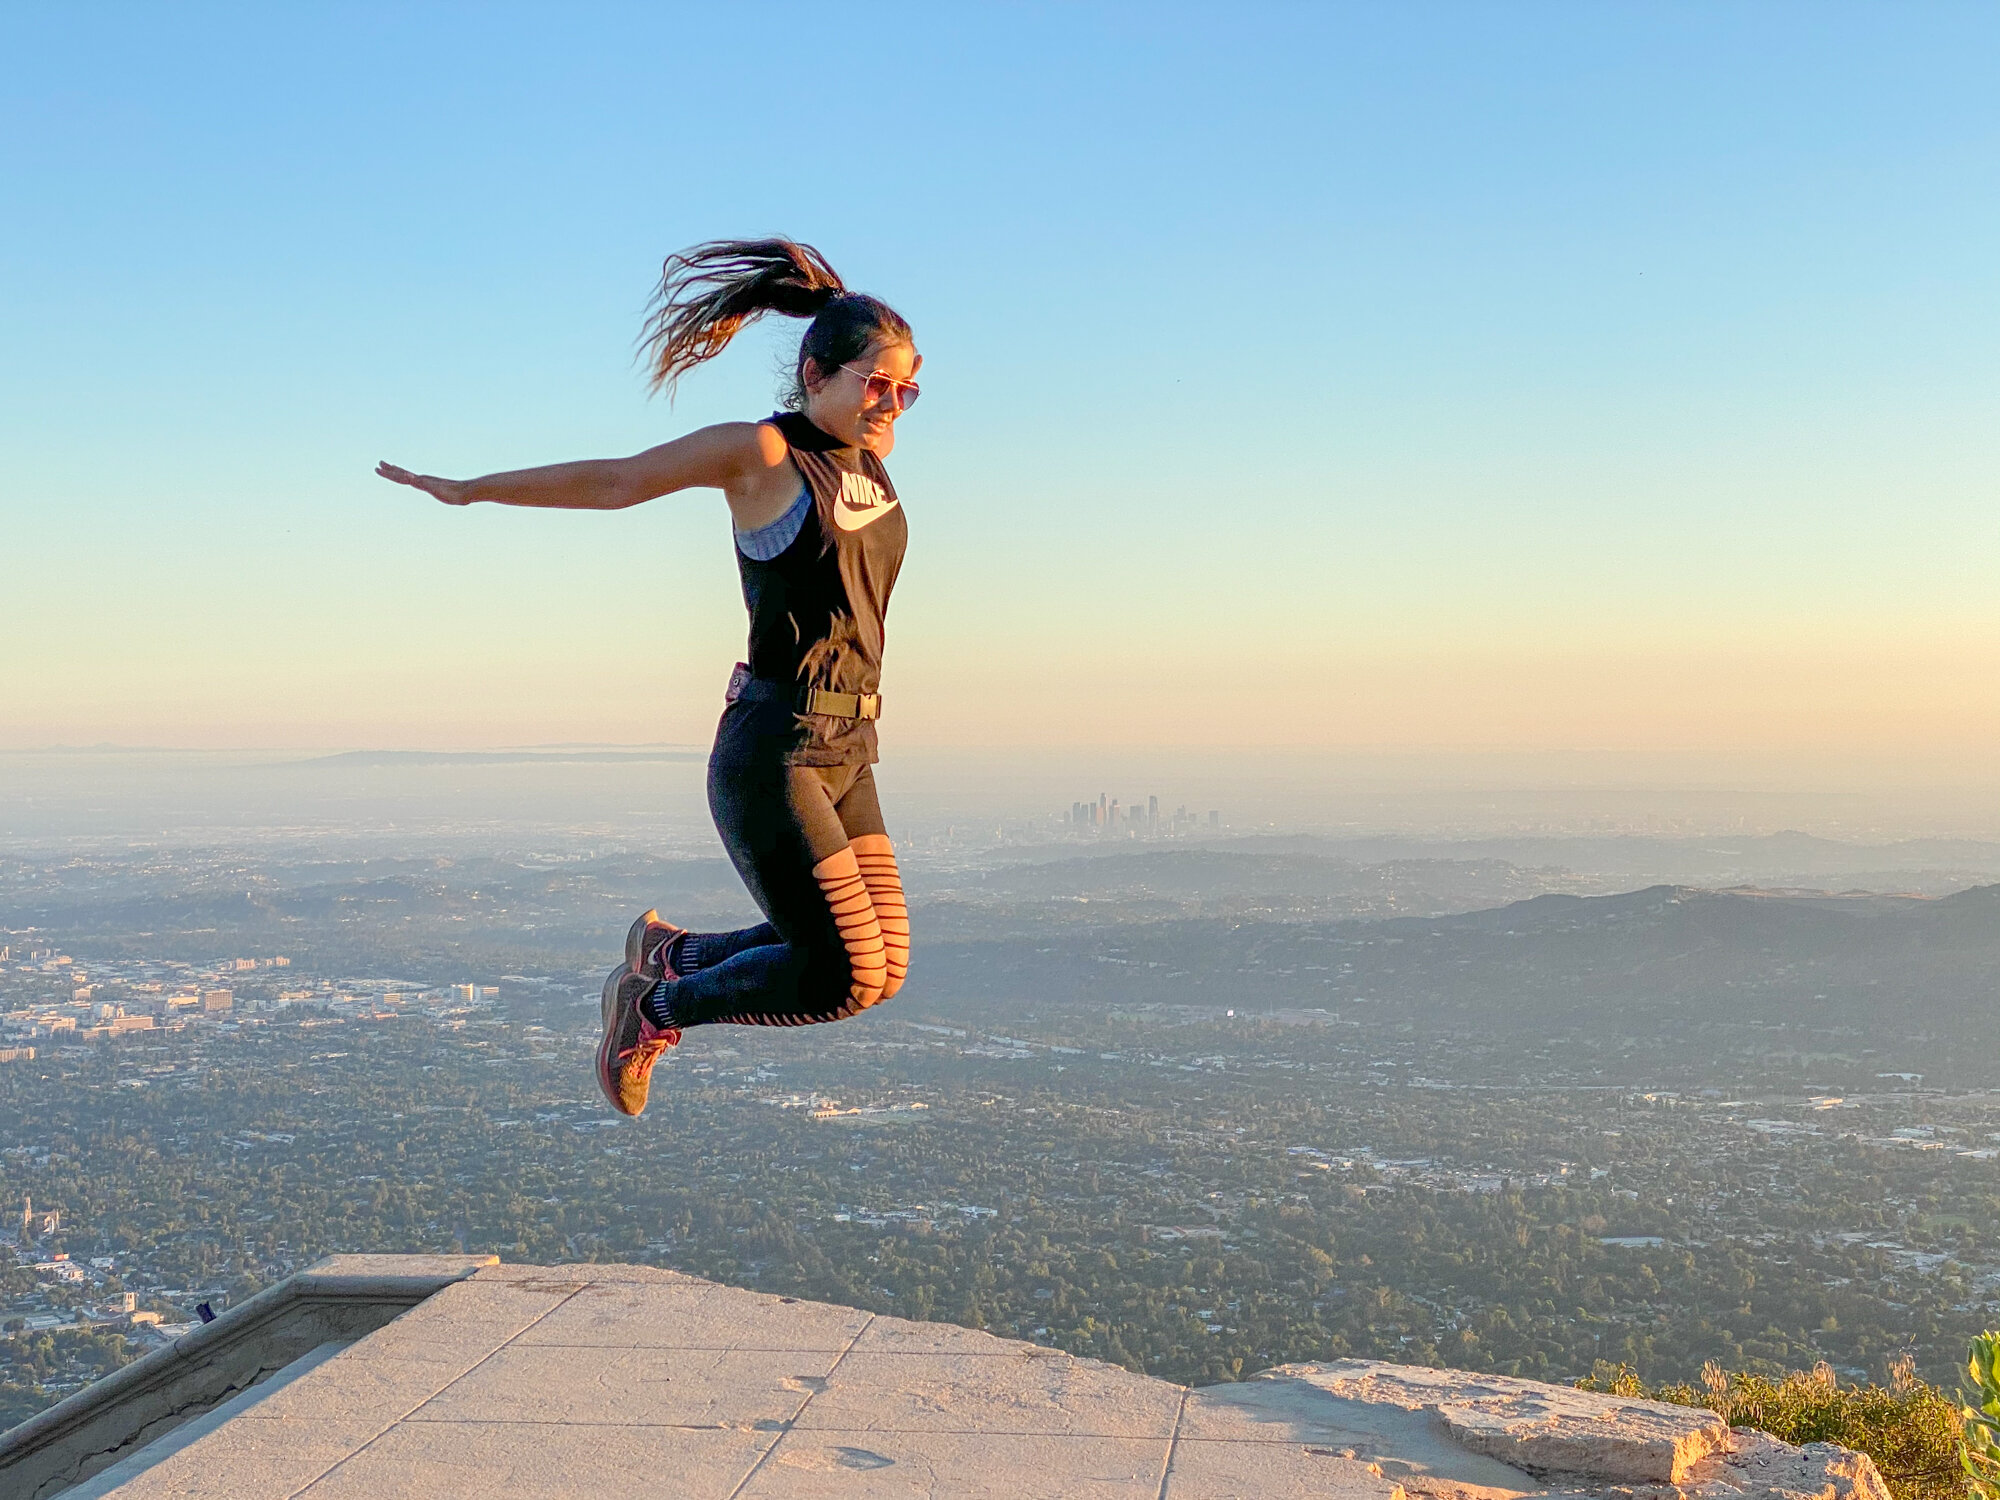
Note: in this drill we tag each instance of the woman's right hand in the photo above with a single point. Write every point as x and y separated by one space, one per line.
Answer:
450 491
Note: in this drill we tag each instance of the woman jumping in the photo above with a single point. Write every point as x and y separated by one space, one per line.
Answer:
819 538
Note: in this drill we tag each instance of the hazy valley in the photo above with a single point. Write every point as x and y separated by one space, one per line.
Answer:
1197 1107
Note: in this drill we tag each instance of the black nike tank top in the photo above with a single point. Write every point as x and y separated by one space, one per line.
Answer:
817 608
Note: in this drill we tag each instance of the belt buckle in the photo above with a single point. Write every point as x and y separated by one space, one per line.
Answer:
739 679
870 706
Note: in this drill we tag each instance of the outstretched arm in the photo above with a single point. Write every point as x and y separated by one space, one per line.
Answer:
731 456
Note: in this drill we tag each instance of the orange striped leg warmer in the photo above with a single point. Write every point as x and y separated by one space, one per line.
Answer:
839 878
847 896
876 858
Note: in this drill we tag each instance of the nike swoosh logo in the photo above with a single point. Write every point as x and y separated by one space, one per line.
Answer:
861 503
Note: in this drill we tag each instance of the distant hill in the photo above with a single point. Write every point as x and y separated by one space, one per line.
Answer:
1848 976
1232 880
1767 859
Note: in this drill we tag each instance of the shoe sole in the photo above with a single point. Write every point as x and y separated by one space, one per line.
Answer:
606 1058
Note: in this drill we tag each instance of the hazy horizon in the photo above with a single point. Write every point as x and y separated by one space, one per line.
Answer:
633 794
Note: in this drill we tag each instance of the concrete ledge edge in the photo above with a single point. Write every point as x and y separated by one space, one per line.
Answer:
244 1324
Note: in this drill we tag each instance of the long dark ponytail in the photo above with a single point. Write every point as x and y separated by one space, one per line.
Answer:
707 295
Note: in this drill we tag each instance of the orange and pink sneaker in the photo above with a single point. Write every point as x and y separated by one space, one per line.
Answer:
632 1044
646 946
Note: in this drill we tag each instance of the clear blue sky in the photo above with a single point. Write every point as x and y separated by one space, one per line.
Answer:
1490 375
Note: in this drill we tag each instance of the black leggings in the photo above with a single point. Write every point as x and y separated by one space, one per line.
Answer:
820 955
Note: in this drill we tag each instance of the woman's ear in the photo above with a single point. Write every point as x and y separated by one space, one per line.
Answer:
811 376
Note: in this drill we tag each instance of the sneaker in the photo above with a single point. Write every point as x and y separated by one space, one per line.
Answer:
646 946
632 1044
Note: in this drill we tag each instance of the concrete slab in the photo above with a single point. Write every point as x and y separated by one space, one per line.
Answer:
690 1314
368 1389
1221 1469
1411 1445
916 1392
870 1465
679 1387
583 1273
462 1324
420 1267
245 1459
543 1461
902 1336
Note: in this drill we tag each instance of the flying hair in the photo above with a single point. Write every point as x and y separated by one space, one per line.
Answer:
709 294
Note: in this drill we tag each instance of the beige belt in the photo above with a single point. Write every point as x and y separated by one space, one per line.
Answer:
840 705
805 700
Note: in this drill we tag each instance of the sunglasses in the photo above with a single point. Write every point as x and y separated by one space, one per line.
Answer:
875 385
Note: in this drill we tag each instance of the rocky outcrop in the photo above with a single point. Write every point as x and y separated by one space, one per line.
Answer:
1758 1465
1453 1435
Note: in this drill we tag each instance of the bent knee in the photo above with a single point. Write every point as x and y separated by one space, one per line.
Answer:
842 982
868 981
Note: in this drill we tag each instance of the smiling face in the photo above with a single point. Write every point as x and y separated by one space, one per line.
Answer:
836 399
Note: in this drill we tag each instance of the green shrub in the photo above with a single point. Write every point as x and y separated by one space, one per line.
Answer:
1910 1428
1981 1412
